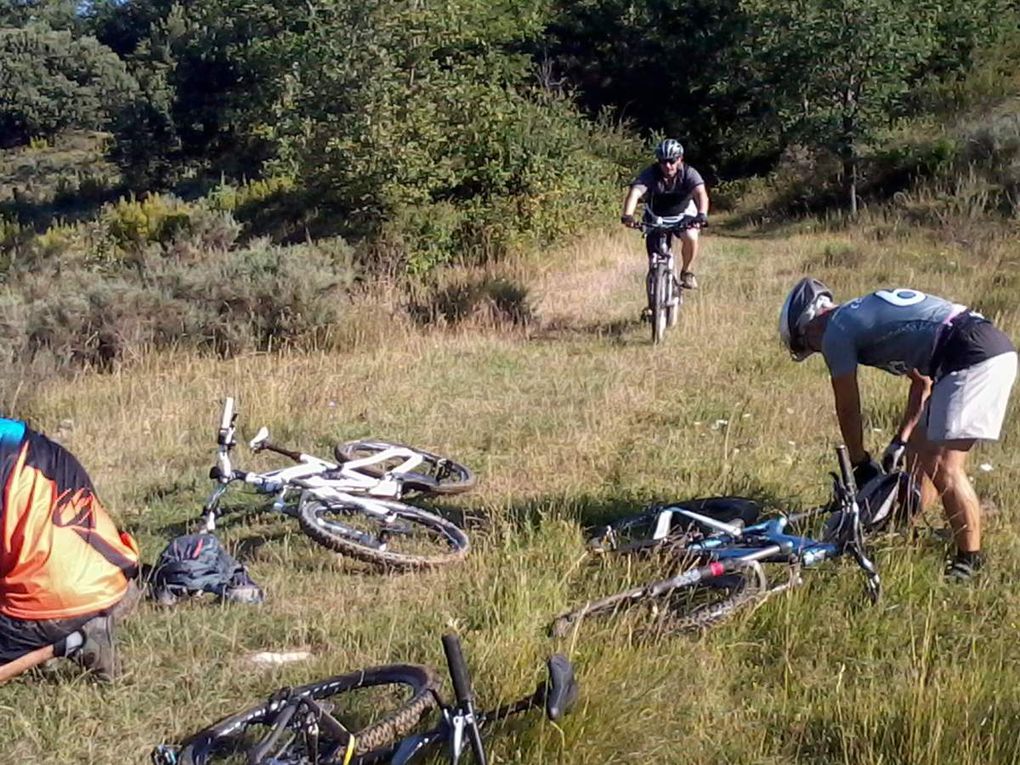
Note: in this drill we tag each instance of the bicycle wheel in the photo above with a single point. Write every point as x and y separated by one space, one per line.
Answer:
407 537
435 475
407 688
698 608
659 318
638 534
659 528
688 608
675 299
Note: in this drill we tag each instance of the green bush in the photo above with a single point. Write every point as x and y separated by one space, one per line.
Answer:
51 81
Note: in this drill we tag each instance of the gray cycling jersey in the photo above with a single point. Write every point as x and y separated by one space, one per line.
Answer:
667 196
896 330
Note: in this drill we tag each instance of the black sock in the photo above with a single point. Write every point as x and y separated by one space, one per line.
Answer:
973 559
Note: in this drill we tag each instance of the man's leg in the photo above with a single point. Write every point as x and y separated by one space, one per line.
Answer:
688 252
98 654
945 464
919 454
22 636
651 242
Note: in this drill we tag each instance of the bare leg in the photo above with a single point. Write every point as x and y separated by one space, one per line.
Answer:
919 445
688 248
945 464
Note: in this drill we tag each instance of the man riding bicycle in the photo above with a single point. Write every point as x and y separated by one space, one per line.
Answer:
671 188
961 370
63 565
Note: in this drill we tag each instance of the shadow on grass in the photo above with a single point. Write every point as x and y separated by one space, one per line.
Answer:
593 511
64 209
617 331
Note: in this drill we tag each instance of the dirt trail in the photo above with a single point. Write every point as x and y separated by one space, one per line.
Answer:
595 281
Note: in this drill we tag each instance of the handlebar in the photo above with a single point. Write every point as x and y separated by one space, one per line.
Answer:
669 224
225 434
458 669
853 537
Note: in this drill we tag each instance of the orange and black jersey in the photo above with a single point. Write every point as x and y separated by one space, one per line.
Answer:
60 553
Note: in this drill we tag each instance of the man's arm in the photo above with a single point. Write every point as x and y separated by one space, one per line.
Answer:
920 389
634 194
848 412
700 196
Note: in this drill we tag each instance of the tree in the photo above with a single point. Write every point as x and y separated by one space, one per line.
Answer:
837 69
659 64
50 81
55 14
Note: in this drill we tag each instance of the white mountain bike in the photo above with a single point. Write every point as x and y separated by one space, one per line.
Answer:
353 505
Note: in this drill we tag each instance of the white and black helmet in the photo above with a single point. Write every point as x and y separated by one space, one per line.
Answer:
806 300
670 150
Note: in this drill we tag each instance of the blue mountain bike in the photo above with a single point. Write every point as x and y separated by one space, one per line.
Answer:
721 547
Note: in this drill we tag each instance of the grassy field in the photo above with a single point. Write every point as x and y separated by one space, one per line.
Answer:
570 421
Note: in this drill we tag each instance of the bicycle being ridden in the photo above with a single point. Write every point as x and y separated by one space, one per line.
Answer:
353 505
664 291
729 546
671 188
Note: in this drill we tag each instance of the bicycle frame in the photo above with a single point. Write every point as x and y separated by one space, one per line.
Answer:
664 292
459 726
731 546
346 483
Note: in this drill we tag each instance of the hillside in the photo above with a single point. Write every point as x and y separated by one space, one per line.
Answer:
570 420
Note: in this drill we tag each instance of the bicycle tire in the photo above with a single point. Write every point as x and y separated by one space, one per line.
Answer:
313 515
442 476
741 588
748 587
659 318
635 533
677 294
208 746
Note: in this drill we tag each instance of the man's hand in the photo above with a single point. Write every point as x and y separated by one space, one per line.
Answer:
628 221
894 454
865 470
701 220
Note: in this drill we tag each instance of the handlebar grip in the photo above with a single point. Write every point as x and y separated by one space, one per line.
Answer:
296 456
458 668
846 470
227 418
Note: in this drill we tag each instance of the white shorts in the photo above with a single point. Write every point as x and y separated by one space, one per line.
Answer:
971 402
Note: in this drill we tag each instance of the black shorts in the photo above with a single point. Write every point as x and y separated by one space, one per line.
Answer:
21 636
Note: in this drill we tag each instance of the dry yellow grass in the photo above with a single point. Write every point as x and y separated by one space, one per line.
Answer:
574 420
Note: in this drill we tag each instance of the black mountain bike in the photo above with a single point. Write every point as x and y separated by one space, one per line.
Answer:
665 293
317 724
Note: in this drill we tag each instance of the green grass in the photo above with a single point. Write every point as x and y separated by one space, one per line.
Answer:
570 422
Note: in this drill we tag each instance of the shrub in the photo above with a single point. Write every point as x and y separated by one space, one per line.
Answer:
492 301
229 301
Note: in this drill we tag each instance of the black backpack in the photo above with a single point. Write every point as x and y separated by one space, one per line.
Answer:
196 563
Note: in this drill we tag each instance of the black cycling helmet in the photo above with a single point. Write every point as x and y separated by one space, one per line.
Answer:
669 149
805 301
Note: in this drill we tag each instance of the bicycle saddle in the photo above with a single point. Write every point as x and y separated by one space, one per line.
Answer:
561 688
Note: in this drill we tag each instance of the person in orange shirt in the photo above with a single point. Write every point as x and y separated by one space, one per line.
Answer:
64 566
